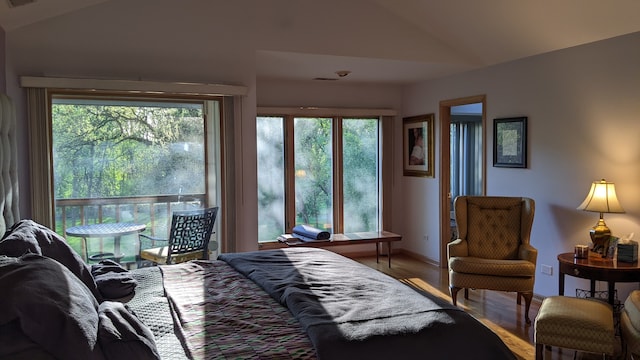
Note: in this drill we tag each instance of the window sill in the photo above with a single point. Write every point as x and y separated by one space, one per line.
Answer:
268 245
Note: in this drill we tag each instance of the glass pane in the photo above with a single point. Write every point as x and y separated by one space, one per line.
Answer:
125 161
313 172
360 175
270 144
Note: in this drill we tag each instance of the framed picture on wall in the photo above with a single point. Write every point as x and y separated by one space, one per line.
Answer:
418 145
510 142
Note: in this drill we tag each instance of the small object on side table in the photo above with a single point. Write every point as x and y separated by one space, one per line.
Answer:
581 251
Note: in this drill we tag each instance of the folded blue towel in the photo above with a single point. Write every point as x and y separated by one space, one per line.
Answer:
310 232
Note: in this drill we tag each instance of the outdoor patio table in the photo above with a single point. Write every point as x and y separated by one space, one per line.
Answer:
104 230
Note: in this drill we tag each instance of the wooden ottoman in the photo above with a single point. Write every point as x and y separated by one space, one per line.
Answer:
575 323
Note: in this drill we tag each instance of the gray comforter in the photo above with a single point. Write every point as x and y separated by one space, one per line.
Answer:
353 312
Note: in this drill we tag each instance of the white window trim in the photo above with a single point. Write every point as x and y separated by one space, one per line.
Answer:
387 164
37 88
132 85
325 112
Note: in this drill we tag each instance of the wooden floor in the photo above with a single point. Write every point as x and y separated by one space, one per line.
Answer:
497 310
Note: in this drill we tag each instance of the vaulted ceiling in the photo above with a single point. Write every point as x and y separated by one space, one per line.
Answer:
390 41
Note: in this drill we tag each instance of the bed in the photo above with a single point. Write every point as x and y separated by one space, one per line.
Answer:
293 303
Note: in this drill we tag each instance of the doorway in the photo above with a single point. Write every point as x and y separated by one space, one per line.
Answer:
463 158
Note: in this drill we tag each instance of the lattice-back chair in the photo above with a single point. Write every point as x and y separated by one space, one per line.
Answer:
188 238
493 249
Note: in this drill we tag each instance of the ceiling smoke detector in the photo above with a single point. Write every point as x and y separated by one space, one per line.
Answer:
16 3
343 73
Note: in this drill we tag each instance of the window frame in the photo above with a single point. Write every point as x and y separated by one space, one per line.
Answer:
211 140
386 119
41 191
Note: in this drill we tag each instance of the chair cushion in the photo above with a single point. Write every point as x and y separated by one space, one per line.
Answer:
630 323
632 308
575 323
630 335
159 255
494 232
493 267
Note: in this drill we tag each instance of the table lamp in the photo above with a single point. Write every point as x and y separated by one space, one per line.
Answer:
601 198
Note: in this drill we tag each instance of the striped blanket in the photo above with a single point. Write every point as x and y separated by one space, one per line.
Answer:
351 311
220 314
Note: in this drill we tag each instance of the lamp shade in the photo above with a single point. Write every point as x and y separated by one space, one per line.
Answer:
602 198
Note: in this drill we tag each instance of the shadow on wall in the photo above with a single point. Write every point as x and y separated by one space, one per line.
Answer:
572 224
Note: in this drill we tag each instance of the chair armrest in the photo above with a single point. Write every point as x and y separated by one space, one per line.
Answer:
148 241
457 248
528 252
153 238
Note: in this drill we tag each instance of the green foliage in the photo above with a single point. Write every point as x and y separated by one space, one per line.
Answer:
313 166
313 158
103 151
270 153
109 149
360 174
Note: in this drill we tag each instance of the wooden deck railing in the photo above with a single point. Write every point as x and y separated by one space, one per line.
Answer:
153 211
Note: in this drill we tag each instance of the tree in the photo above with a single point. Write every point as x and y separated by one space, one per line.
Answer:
313 162
111 150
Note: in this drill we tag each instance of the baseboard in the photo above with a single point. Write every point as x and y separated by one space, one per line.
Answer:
419 257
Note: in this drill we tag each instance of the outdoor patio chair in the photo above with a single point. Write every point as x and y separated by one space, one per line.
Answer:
188 238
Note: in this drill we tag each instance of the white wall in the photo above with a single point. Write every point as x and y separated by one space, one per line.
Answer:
328 94
583 108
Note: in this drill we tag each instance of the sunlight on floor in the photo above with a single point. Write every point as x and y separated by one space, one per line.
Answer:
423 285
521 348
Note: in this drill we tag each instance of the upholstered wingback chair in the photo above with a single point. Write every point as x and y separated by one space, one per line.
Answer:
492 250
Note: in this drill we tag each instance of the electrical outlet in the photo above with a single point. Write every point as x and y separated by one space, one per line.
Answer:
546 269
425 237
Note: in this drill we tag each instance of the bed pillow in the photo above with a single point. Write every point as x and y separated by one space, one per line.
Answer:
53 308
123 336
27 236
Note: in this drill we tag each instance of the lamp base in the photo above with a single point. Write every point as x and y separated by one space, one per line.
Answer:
600 235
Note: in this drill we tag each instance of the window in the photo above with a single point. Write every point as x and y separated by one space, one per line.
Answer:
271 181
321 171
221 105
129 159
360 175
312 163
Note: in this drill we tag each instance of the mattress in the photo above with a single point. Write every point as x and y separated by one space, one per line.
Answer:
151 306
